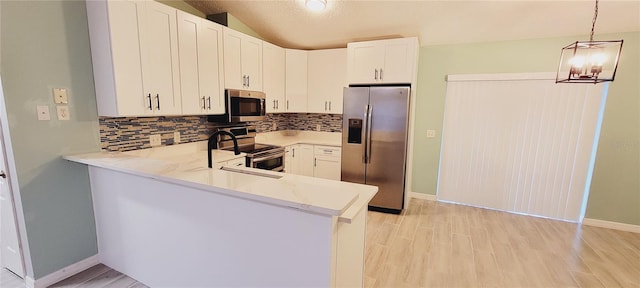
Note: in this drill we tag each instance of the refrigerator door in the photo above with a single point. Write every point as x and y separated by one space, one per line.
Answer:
353 134
389 108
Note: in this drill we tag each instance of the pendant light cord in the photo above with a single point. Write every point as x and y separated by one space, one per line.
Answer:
593 23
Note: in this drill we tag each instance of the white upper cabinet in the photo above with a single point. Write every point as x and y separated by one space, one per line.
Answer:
134 52
382 61
273 67
296 80
201 69
326 79
242 61
159 42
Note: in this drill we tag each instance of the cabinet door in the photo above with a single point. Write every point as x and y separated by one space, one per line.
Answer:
233 78
273 76
210 67
159 43
327 78
125 58
296 80
290 161
398 66
251 50
305 161
365 61
327 167
193 102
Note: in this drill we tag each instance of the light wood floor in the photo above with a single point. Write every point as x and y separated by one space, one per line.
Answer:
436 244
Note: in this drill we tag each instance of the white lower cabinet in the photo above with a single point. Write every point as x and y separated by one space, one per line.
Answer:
313 160
305 159
326 162
290 163
299 159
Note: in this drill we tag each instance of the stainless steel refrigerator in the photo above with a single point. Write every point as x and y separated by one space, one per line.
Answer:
374 142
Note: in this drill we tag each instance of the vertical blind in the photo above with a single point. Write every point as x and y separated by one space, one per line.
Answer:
519 143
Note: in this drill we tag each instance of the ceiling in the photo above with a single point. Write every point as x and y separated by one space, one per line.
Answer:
288 24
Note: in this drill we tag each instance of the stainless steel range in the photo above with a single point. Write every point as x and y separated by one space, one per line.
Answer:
261 156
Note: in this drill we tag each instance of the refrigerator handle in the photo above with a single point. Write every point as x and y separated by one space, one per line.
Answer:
366 135
368 139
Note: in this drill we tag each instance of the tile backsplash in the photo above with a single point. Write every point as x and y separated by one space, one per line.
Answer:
132 133
300 121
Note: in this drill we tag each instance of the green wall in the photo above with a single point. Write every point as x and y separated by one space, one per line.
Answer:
45 44
233 22
181 5
615 189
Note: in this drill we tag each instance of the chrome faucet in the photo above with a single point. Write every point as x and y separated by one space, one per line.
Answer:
213 144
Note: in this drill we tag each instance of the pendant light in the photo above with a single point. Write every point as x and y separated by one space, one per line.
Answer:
589 61
316 5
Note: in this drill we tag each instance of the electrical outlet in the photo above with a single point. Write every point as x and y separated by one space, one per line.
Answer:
176 137
155 140
63 112
431 133
318 126
275 126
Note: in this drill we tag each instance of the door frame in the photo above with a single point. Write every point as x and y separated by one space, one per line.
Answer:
14 187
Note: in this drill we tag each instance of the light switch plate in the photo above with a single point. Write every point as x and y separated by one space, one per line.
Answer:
60 96
63 112
43 112
431 133
318 127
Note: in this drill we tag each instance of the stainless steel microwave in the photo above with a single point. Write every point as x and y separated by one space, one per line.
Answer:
242 106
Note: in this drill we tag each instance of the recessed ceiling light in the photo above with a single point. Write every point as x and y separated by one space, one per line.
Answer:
316 5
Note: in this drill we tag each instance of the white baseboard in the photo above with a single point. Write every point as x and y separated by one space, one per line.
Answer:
423 196
62 274
611 225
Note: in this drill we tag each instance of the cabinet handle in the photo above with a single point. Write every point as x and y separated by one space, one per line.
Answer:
158 100
244 81
325 105
380 73
248 81
314 161
287 104
329 105
209 106
150 107
277 104
204 106
294 153
274 104
376 77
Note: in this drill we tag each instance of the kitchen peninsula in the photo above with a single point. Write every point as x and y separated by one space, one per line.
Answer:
165 219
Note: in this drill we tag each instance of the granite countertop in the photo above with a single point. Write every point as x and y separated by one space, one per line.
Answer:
187 165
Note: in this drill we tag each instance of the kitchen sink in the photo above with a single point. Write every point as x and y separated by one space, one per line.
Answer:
251 171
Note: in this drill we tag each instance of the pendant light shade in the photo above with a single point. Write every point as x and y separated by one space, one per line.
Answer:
589 61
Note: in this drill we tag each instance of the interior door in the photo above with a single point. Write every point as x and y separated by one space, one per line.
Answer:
10 243
355 104
389 108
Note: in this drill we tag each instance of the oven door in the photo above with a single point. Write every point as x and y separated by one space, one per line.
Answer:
271 161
